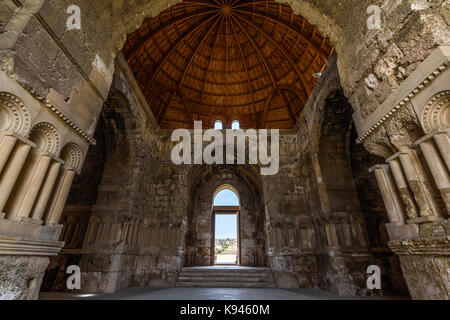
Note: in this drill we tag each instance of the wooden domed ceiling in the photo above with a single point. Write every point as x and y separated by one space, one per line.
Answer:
245 60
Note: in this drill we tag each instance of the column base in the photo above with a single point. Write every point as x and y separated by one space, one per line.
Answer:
406 231
421 220
31 220
21 276
426 266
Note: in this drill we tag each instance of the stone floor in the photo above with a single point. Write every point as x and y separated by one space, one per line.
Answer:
226 258
206 294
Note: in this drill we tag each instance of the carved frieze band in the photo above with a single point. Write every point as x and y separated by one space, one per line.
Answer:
407 99
17 246
59 113
426 246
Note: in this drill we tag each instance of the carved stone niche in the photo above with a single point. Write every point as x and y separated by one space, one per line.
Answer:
46 138
14 115
436 113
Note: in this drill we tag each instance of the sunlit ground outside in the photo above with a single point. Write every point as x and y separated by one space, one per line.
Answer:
226 246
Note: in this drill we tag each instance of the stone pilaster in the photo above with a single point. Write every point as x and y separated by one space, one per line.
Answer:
7 143
59 197
390 194
42 163
403 188
46 191
437 167
12 171
428 209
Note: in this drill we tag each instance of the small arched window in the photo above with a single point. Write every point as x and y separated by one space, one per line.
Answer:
235 125
218 125
226 197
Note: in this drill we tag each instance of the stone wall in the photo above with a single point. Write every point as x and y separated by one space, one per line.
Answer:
150 216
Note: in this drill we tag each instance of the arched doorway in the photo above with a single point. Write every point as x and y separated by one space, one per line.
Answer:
220 191
226 227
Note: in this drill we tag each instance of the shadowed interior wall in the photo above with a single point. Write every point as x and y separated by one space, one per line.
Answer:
76 214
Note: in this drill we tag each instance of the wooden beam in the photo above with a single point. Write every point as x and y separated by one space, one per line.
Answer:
183 76
258 52
288 87
277 20
286 55
161 27
248 73
266 106
289 109
163 110
210 58
174 46
203 3
269 72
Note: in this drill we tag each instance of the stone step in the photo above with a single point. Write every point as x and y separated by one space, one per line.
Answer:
224 279
239 284
231 270
226 274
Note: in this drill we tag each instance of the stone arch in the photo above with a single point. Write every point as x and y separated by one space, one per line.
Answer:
14 115
226 186
333 154
119 119
72 156
46 138
207 180
436 113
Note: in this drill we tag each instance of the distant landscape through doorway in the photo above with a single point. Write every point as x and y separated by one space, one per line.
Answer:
226 228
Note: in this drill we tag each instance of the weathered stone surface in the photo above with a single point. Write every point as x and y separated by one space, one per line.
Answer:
21 277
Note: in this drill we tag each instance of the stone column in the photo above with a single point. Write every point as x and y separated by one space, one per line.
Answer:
442 139
37 178
411 166
7 143
12 171
46 190
59 197
389 194
437 168
403 188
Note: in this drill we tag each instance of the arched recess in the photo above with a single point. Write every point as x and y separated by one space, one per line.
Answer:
333 155
436 113
352 195
14 115
206 182
46 137
72 156
99 194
